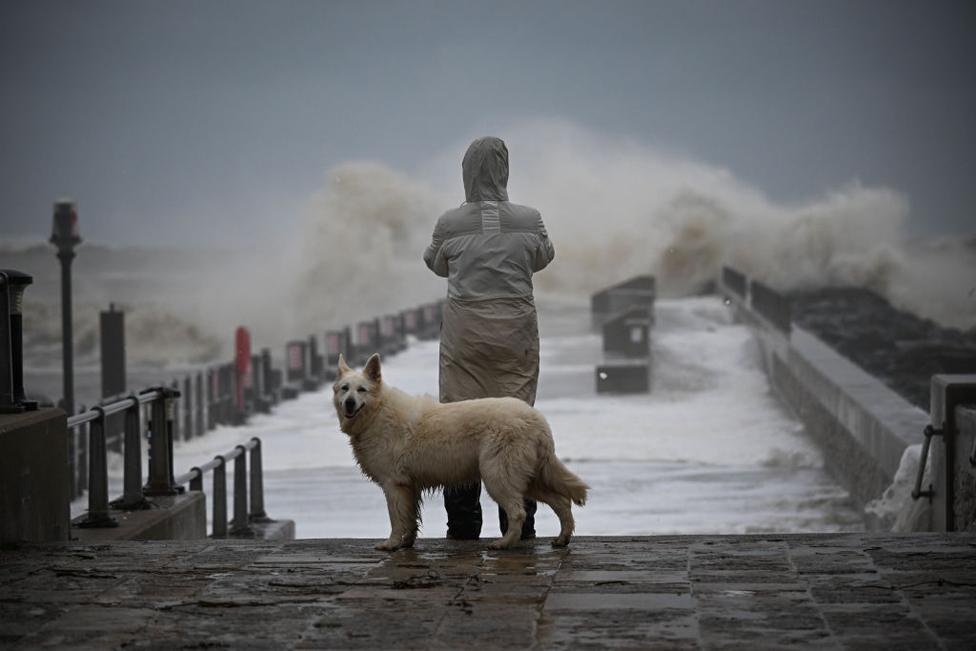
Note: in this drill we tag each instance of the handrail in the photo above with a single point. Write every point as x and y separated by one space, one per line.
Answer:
107 409
240 526
198 471
917 492
161 480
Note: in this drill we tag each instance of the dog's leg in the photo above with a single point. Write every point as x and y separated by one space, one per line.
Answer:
413 523
563 509
512 501
401 505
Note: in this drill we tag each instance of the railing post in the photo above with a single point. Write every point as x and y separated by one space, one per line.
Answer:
173 413
188 405
258 513
196 482
236 406
98 477
268 389
220 498
161 446
222 384
200 431
83 449
211 413
73 462
219 390
132 497
240 527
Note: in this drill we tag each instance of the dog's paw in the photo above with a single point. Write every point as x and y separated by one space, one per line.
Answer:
499 544
387 546
561 541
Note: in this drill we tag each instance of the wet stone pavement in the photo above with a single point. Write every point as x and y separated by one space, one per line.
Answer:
765 591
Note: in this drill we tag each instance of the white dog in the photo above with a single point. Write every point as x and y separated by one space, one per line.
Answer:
409 444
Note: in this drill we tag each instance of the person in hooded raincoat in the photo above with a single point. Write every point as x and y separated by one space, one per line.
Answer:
488 250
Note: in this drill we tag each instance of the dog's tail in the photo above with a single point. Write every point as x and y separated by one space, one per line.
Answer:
560 479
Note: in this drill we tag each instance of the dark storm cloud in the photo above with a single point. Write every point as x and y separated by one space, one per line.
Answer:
213 120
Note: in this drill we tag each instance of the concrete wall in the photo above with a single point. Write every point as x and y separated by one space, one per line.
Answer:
964 477
177 517
862 426
34 476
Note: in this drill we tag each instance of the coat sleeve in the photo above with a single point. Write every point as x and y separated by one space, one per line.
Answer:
434 256
544 251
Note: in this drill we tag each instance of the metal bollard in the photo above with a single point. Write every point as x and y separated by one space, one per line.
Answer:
98 516
258 513
112 349
132 497
220 498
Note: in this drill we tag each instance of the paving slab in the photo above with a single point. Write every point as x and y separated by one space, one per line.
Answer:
831 591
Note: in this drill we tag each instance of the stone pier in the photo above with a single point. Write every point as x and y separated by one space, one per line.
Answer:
914 591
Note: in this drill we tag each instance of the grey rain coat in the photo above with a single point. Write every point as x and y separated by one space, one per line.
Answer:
488 250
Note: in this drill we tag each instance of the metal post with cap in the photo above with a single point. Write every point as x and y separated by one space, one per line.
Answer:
64 235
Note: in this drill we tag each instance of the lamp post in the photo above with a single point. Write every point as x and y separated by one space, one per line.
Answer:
64 235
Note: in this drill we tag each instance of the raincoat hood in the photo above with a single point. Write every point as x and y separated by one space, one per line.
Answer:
484 170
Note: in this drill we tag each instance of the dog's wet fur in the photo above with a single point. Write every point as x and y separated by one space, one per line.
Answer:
409 444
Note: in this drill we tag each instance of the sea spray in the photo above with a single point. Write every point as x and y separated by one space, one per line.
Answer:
613 207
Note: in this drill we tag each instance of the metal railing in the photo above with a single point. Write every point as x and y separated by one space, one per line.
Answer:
735 281
243 489
160 402
774 307
134 493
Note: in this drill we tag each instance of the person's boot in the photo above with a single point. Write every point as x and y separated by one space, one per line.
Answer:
463 506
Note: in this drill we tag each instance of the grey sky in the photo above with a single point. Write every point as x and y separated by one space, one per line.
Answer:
160 118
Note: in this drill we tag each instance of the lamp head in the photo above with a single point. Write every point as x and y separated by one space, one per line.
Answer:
64 230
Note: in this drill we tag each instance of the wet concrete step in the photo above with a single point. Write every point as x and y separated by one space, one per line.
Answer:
766 591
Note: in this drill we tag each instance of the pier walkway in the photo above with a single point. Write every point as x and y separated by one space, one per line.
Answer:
851 590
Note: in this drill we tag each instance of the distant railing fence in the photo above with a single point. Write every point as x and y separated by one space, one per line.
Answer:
774 307
735 281
218 395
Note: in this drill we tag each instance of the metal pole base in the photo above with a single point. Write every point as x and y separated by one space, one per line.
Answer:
149 491
244 532
136 505
98 522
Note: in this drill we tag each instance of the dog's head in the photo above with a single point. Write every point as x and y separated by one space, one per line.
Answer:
354 392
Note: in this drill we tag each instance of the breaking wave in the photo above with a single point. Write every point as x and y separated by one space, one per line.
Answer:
613 208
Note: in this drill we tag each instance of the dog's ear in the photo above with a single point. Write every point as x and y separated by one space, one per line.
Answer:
343 367
372 368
